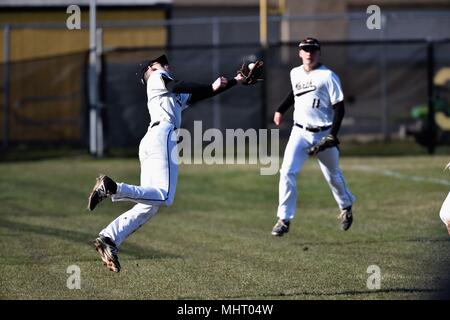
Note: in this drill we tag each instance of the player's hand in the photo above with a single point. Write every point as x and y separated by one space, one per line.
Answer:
239 78
277 118
220 82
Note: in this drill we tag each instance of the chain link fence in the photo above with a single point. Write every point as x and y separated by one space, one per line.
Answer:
384 80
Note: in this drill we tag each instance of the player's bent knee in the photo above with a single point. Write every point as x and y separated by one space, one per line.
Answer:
168 203
167 198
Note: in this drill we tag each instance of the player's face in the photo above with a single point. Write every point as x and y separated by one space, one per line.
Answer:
159 66
309 57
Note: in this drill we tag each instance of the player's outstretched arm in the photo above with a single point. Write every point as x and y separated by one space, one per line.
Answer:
220 85
199 91
177 86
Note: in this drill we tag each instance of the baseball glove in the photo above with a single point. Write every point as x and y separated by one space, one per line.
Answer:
251 72
326 142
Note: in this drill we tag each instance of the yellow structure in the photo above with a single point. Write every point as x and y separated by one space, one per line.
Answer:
45 101
34 42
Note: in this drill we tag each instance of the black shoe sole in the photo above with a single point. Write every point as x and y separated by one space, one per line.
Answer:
106 260
93 201
346 228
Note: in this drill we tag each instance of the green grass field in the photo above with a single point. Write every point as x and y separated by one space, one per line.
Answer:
215 241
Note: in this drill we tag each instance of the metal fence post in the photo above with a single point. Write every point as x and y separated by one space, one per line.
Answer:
6 84
95 119
216 70
431 110
92 79
264 88
383 81
100 106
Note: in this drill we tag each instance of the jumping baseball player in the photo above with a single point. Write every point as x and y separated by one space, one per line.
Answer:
318 112
167 98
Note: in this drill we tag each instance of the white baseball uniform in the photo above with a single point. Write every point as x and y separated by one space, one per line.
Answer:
315 93
444 214
167 98
159 171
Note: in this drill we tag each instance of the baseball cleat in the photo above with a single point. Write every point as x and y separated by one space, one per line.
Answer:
346 218
108 252
103 188
280 228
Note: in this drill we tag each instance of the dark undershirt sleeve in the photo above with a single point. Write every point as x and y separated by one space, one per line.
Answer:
195 97
339 112
287 103
198 91
176 86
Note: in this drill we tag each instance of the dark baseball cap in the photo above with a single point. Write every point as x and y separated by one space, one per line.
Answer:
310 43
161 59
143 66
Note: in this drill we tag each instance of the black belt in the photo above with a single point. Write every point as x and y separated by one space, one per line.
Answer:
317 129
154 124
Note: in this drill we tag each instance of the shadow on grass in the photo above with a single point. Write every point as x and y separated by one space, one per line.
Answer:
358 292
84 238
432 293
360 242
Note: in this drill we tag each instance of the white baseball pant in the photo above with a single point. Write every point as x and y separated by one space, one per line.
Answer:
159 174
444 214
295 156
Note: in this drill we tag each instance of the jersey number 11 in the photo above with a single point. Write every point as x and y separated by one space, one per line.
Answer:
316 103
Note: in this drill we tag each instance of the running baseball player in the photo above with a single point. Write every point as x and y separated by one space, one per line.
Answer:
167 98
318 112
